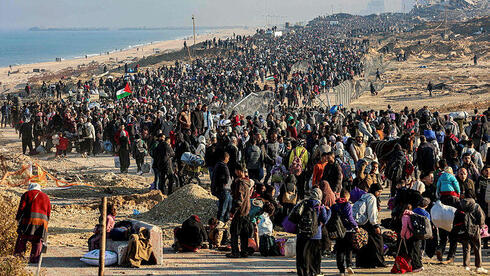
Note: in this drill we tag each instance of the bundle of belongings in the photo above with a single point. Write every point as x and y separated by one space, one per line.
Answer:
139 249
192 159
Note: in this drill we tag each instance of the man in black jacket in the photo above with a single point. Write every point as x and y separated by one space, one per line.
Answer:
332 173
234 152
426 158
221 187
272 152
210 156
25 133
165 154
197 119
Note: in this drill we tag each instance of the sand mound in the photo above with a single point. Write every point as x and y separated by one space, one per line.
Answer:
186 201
146 200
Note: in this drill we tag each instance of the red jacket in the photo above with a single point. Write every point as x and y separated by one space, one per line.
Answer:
63 144
34 212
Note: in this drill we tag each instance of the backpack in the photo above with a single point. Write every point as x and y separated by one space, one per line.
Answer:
421 227
395 171
296 167
403 263
359 211
85 131
290 196
306 218
335 227
464 226
346 169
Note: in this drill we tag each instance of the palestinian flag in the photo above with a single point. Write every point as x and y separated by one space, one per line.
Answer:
124 92
271 78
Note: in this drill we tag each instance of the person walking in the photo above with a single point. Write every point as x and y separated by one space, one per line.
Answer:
33 215
241 228
343 246
430 87
165 165
25 132
124 149
221 187
371 255
139 152
308 242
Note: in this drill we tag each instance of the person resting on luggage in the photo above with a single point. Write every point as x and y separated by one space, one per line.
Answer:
190 237
94 240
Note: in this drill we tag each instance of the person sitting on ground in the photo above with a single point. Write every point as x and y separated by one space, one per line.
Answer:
191 236
217 234
94 240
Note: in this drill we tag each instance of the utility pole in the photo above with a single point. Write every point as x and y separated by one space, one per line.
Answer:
194 28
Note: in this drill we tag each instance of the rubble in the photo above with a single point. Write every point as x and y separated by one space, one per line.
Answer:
184 202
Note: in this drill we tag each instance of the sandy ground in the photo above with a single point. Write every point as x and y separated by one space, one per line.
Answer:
19 79
406 85
74 217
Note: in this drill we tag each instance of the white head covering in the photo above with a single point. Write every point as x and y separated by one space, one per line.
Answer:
369 154
34 186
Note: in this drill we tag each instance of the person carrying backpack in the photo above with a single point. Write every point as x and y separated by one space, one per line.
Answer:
288 196
413 244
343 246
365 213
468 220
309 216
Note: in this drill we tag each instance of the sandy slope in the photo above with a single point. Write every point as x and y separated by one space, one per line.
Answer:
406 85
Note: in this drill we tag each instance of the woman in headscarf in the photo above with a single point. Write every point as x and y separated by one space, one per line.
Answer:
124 150
371 255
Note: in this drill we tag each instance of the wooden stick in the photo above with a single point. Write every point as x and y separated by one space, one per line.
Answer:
102 240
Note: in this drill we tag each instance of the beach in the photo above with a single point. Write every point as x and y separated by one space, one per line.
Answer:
20 74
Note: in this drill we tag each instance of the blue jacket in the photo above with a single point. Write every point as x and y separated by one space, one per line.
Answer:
422 212
447 184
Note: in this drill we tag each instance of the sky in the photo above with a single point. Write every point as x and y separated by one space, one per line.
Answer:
22 14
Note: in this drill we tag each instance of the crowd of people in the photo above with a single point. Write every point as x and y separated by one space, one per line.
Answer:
298 163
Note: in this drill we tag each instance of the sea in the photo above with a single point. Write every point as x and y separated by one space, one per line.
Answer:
27 46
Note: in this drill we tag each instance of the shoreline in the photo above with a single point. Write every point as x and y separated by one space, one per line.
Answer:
113 50
21 73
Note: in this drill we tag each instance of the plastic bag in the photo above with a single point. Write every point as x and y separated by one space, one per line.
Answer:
145 168
191 159
280 244
92 258
442 216
484 232
117 162
290 247
289 226
108 146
